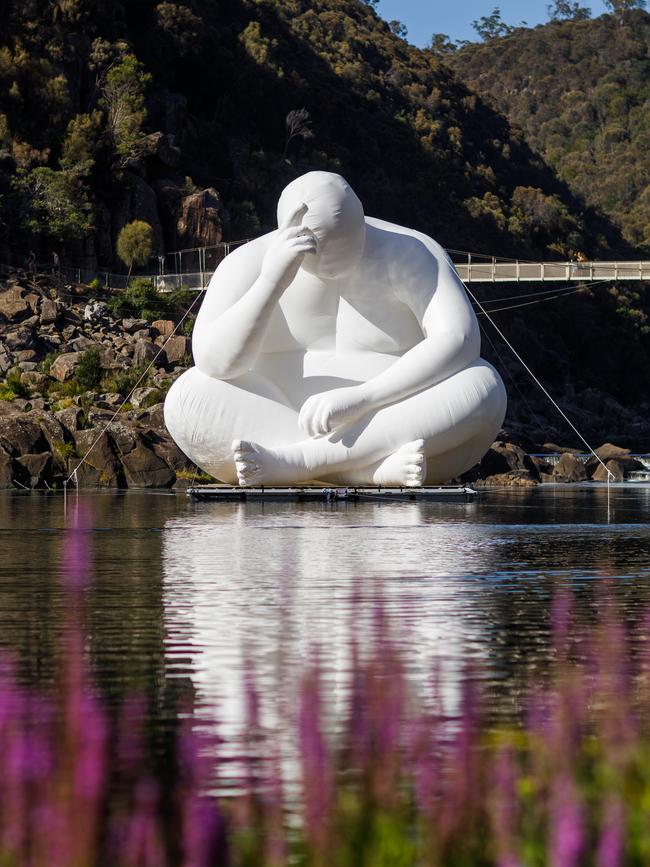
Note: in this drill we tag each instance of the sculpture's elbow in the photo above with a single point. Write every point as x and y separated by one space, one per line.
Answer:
218 365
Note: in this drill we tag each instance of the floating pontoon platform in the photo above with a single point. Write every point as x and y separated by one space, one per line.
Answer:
313 493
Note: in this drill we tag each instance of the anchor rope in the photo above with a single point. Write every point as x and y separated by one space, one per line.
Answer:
541 385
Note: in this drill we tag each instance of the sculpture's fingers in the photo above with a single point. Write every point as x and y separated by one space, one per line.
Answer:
324 422
305 415
294 217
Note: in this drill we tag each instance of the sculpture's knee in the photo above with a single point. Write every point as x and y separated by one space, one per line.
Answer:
196 415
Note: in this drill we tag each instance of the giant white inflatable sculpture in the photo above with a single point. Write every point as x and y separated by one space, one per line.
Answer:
338 348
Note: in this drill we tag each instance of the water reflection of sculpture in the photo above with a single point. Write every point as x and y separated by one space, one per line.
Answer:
246 582
340 348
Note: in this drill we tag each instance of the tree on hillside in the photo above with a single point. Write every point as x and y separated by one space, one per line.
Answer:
620 7
398 29
440 43
492 26
123 93
568 10
135 244
298 125
54 204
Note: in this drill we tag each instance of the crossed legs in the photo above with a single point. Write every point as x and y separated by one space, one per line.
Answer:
246 431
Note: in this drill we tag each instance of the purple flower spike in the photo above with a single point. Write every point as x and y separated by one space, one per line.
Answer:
566 825
611 845
316 774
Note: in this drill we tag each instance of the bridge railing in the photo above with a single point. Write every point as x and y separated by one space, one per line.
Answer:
471 270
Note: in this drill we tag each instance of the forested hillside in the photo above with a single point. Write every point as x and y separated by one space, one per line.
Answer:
580 92
176 114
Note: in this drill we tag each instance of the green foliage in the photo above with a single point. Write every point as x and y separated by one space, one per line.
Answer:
440 43
88 371
571 10
135 243
620 7
492 26
53 204
12 387
81 143
585 108
65 450
123 381
95 284
181 24
398 29
123 98
46 363
141 301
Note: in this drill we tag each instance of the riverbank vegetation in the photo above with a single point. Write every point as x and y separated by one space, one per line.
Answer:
192 117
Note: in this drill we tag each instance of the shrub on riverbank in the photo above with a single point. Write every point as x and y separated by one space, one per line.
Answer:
401 784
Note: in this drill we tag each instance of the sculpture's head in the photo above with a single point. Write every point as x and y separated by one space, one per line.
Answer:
335 215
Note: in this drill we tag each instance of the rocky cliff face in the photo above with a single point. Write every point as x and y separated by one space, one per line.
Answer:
54 341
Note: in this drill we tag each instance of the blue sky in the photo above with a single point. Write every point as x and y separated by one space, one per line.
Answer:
454 17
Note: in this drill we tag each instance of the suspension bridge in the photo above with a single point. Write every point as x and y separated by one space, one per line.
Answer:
192 269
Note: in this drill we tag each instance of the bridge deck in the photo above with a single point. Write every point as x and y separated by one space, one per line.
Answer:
550 272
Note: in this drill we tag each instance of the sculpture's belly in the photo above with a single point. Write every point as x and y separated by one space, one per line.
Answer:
369 331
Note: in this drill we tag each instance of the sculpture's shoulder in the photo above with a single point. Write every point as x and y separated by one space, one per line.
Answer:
401 245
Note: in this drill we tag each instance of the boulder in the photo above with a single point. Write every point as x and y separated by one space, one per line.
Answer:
176 349
617 468
172 455
141 395
201 220
164 327
50 311
26 355
144 351
54 432
124 437
608 452
27 365
133 325
101 467
153 416
38 468
21 338
6 469
34 379
13 306
504 457
70 418
569 469
80 344
6 361
63 367
20 435
145 469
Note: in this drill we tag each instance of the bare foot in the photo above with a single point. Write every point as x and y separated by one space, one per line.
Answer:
406 467
256 465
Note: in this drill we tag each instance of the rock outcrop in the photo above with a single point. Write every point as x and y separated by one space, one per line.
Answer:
50 427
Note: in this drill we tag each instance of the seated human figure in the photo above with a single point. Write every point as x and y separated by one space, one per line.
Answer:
338 348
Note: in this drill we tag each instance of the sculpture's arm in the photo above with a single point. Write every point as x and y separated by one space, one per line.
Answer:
451 342
230 329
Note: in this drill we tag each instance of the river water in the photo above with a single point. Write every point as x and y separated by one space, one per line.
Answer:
184 593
